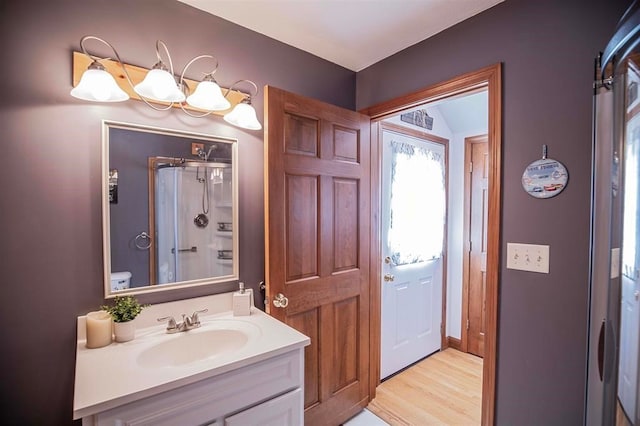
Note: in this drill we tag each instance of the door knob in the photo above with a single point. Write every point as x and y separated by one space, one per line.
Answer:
389 277
280 301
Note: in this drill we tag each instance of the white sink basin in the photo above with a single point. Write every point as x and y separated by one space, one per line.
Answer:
191 346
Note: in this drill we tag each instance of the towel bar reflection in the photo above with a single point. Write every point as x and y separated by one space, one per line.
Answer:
143 241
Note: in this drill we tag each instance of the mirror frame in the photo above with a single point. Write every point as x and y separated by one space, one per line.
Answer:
106 214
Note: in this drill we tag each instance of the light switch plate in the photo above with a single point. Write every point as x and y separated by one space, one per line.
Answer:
528 257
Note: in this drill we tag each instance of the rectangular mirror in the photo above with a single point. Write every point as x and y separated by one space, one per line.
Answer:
169 208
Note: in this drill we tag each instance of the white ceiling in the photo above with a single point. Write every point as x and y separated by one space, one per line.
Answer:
350 33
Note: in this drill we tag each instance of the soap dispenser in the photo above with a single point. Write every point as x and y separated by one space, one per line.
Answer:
242 302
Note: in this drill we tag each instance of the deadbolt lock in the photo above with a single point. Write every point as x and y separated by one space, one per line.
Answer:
387 260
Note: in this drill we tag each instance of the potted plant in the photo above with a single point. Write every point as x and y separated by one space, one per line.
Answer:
123 311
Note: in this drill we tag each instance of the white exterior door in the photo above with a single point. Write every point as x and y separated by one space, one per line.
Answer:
413 213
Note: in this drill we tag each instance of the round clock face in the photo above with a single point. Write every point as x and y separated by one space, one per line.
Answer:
545 178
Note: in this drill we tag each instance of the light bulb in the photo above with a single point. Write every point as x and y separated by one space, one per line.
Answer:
101 93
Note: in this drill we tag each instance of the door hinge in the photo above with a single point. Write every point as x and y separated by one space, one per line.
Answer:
266 301
470 246
471 167
467 324
606 83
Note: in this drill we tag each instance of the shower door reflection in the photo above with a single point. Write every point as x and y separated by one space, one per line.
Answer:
191 217
628 394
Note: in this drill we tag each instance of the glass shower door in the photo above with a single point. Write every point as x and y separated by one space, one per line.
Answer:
166 213
613 396
193 216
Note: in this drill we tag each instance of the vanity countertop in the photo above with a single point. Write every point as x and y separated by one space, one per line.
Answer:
118 374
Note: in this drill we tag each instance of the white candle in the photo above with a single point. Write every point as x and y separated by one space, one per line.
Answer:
98 329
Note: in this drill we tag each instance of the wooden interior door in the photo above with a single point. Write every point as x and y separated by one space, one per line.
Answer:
317 208
477 151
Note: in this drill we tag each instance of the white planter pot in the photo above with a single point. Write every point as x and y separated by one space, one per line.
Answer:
124 331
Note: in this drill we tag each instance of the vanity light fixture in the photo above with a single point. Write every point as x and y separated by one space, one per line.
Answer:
161 84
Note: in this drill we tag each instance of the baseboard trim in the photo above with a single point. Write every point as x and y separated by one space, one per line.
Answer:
454 343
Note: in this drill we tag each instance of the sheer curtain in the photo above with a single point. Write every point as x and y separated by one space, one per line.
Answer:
417 216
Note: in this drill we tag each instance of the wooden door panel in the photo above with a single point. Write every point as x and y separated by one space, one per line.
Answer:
301 135
344 367
346 145
317 209
302 238
345 224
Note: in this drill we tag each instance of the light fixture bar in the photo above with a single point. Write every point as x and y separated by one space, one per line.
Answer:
81 62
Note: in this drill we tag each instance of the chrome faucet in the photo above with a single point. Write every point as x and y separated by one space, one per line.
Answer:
188 322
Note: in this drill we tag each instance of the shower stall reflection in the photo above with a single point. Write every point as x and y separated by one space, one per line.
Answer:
191 218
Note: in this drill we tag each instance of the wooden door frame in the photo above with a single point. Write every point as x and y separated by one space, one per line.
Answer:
490 78
466 237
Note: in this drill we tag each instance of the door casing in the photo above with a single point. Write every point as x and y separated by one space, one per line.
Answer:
490 78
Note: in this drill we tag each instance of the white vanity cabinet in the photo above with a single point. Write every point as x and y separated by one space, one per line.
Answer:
232 370
280 411
268 392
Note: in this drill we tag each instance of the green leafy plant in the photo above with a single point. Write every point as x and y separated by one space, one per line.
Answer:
125 308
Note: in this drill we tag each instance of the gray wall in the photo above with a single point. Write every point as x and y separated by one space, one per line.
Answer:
51 255
50 215
547 49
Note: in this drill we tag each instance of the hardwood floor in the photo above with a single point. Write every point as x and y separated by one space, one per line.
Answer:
444 389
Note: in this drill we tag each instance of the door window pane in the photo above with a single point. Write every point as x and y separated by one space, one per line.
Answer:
417 216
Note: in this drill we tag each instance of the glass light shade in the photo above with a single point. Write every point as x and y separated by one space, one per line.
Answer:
243 115
98 86
208 96
159 85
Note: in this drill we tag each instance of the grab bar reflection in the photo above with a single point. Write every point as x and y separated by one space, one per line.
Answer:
193 249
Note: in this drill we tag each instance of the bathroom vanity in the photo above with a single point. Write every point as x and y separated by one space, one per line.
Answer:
230 371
